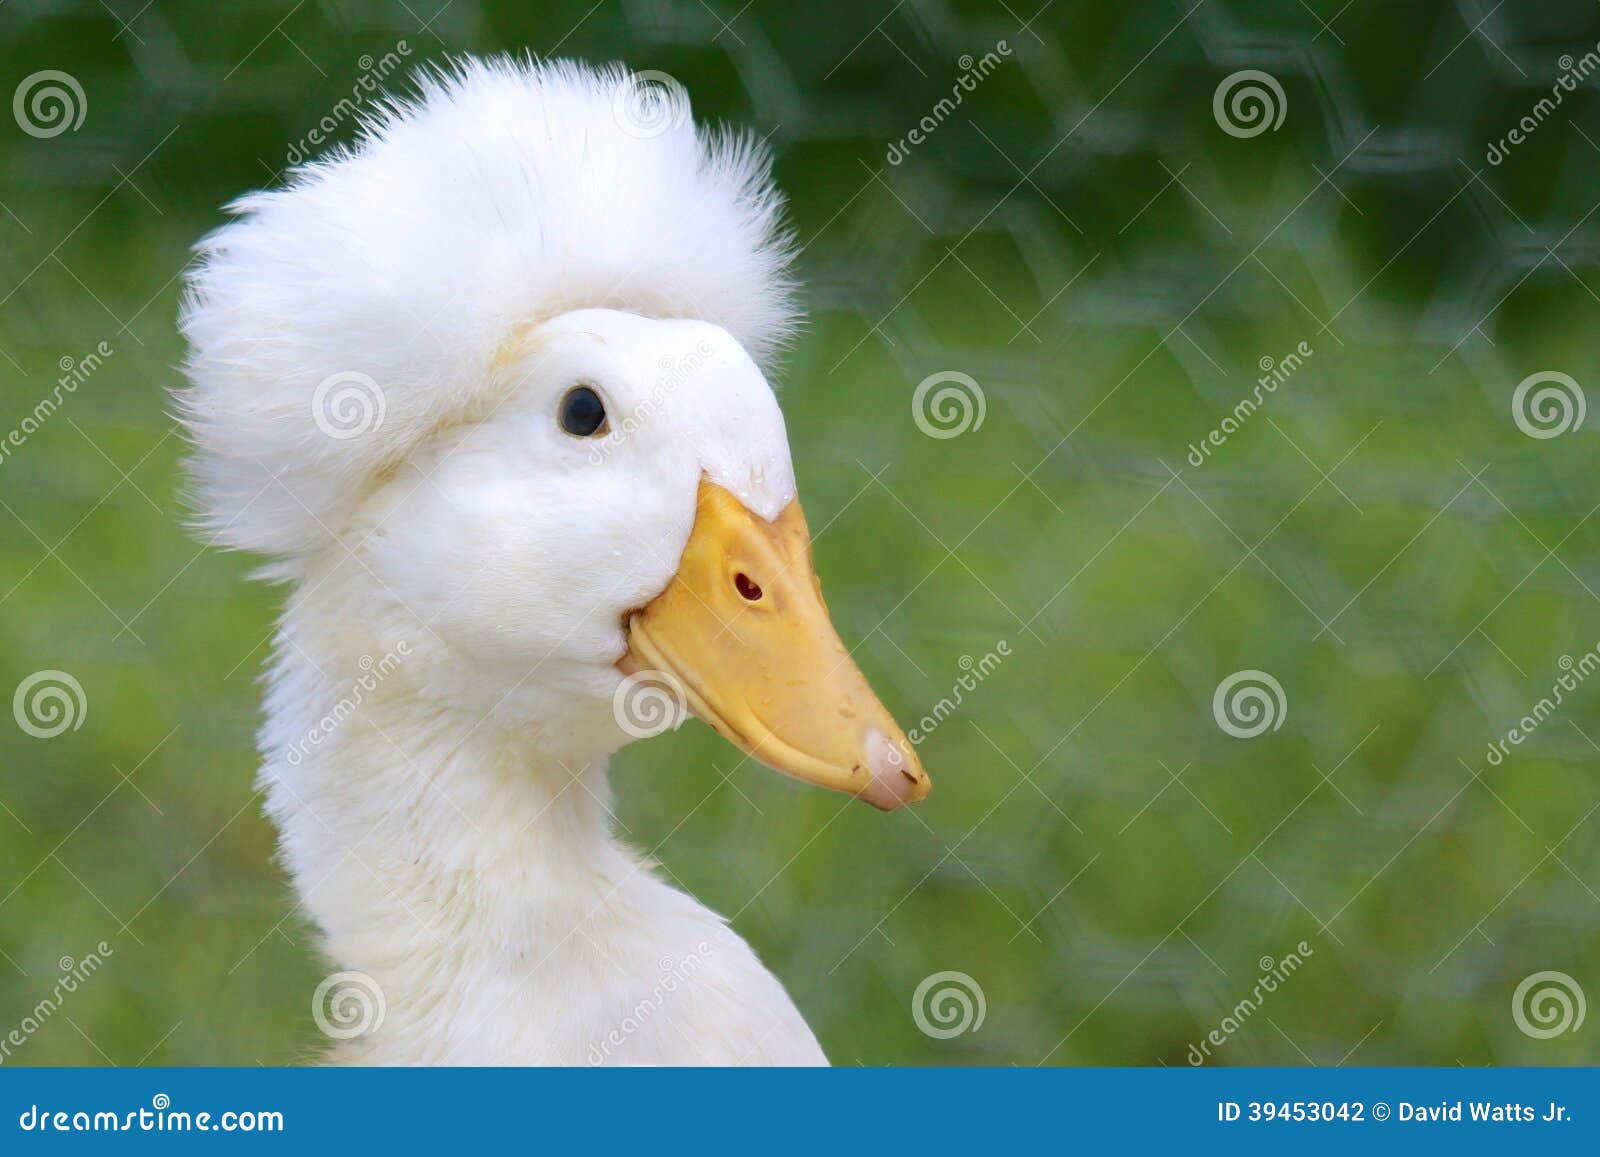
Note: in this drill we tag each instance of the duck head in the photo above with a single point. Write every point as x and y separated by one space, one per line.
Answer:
502 352
619 541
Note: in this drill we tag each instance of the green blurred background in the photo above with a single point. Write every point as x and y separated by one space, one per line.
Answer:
1083 239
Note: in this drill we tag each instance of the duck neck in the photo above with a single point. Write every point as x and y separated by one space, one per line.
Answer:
447 857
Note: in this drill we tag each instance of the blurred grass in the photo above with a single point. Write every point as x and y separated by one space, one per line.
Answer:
1110 914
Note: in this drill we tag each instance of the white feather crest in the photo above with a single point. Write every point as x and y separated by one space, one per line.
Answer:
373 291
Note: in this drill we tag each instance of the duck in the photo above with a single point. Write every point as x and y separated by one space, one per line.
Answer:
486 393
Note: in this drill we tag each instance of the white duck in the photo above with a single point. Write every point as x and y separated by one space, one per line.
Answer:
482 390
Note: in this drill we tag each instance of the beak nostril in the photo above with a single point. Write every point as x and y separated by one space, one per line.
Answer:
747 587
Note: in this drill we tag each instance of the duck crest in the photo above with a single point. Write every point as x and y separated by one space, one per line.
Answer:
336 322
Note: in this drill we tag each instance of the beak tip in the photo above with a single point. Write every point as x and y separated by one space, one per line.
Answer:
897 775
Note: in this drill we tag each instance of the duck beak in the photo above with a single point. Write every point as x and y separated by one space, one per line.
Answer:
743 631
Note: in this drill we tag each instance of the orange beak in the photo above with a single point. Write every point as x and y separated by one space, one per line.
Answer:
742 628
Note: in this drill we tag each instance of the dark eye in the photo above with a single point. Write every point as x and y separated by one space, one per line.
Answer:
583 414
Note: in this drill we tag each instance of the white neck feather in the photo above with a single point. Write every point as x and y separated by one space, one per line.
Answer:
470 870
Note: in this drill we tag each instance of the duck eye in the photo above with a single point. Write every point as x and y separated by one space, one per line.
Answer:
583 414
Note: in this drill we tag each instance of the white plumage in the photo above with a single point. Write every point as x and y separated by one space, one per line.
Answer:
441 694
501 195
